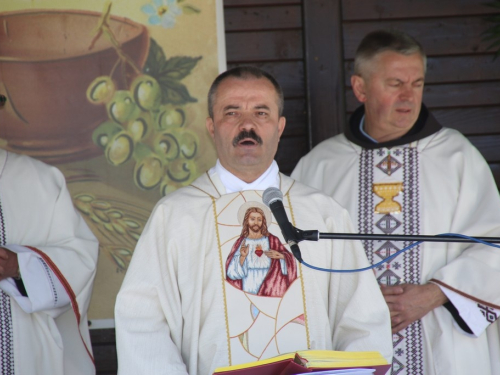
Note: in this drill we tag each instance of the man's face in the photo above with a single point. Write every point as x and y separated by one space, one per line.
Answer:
391 89
255 222
246 126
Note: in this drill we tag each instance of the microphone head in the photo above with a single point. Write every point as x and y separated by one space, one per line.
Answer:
272 194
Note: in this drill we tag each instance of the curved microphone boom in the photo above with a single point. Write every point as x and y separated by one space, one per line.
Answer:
273 198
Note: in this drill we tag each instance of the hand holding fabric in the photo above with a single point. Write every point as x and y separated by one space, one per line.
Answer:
409 302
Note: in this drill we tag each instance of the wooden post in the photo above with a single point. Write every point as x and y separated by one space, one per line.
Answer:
324 67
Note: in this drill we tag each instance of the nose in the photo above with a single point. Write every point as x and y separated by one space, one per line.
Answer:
247 123
407 93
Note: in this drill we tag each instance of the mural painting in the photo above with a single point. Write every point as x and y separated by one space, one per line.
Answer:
113 94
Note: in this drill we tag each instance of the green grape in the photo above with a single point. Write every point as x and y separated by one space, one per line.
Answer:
189 142
101 90
182 171
104 132
148 169
120 148
147 92
139 127
122 107
166 145
170 117
148 172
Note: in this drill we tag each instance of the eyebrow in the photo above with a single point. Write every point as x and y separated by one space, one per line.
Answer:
230 106
233 106
399 80
262 106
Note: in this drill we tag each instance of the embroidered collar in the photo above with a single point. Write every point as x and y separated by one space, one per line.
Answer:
425 126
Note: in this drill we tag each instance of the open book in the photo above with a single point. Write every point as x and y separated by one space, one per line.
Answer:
306 361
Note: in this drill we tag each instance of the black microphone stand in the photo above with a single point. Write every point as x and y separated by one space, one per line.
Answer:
314 235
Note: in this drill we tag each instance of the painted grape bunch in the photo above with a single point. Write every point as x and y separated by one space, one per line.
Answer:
147 121
139 127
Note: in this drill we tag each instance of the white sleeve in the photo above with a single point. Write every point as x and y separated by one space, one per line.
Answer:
477 316
45 291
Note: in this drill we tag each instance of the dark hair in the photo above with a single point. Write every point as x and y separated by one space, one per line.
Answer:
244 72
386 40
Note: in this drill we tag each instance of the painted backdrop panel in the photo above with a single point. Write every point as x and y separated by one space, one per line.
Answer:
114 94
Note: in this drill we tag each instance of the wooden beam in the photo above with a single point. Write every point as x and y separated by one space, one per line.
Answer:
324 68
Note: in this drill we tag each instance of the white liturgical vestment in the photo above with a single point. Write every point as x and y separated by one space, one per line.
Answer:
183 309
45 331
433 185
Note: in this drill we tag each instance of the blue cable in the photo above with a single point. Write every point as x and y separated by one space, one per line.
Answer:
397 253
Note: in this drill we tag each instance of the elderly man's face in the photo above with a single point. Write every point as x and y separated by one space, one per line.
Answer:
391 89
246 126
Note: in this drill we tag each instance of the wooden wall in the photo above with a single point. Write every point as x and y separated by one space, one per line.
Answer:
309 46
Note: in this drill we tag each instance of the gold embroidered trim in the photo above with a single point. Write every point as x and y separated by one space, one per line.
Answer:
222 279
207 193
215 187
301 276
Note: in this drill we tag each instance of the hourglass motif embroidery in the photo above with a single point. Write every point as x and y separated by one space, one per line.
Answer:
389 204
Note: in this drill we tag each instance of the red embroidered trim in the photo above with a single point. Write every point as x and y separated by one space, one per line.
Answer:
69 290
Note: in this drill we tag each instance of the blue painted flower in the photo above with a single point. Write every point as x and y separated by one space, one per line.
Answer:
162 12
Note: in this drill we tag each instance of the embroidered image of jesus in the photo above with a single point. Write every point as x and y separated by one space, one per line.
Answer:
258 263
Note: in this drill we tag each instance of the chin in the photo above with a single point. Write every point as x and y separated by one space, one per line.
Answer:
405 123
248 159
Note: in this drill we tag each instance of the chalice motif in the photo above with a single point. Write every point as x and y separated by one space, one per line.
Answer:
387 191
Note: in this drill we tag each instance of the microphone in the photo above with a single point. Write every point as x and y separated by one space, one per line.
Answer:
273 198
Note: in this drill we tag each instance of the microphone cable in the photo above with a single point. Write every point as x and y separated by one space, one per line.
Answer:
396 254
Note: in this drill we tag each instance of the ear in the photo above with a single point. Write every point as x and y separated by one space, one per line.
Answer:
209 123
359 87
281 125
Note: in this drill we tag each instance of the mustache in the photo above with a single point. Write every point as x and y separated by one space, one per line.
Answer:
247 134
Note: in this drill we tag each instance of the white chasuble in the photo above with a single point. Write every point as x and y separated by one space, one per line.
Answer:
262 281
45 329
204 291
440 184
389 204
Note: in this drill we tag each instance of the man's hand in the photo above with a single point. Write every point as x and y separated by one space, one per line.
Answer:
409 302
8 264
274 254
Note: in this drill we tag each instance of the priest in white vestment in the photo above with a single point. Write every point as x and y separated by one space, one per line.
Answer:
397 171
180 309
48 259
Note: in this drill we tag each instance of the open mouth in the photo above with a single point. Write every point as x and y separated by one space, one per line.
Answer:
247 138
247 142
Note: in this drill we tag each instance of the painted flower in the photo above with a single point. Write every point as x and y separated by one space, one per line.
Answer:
162 12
